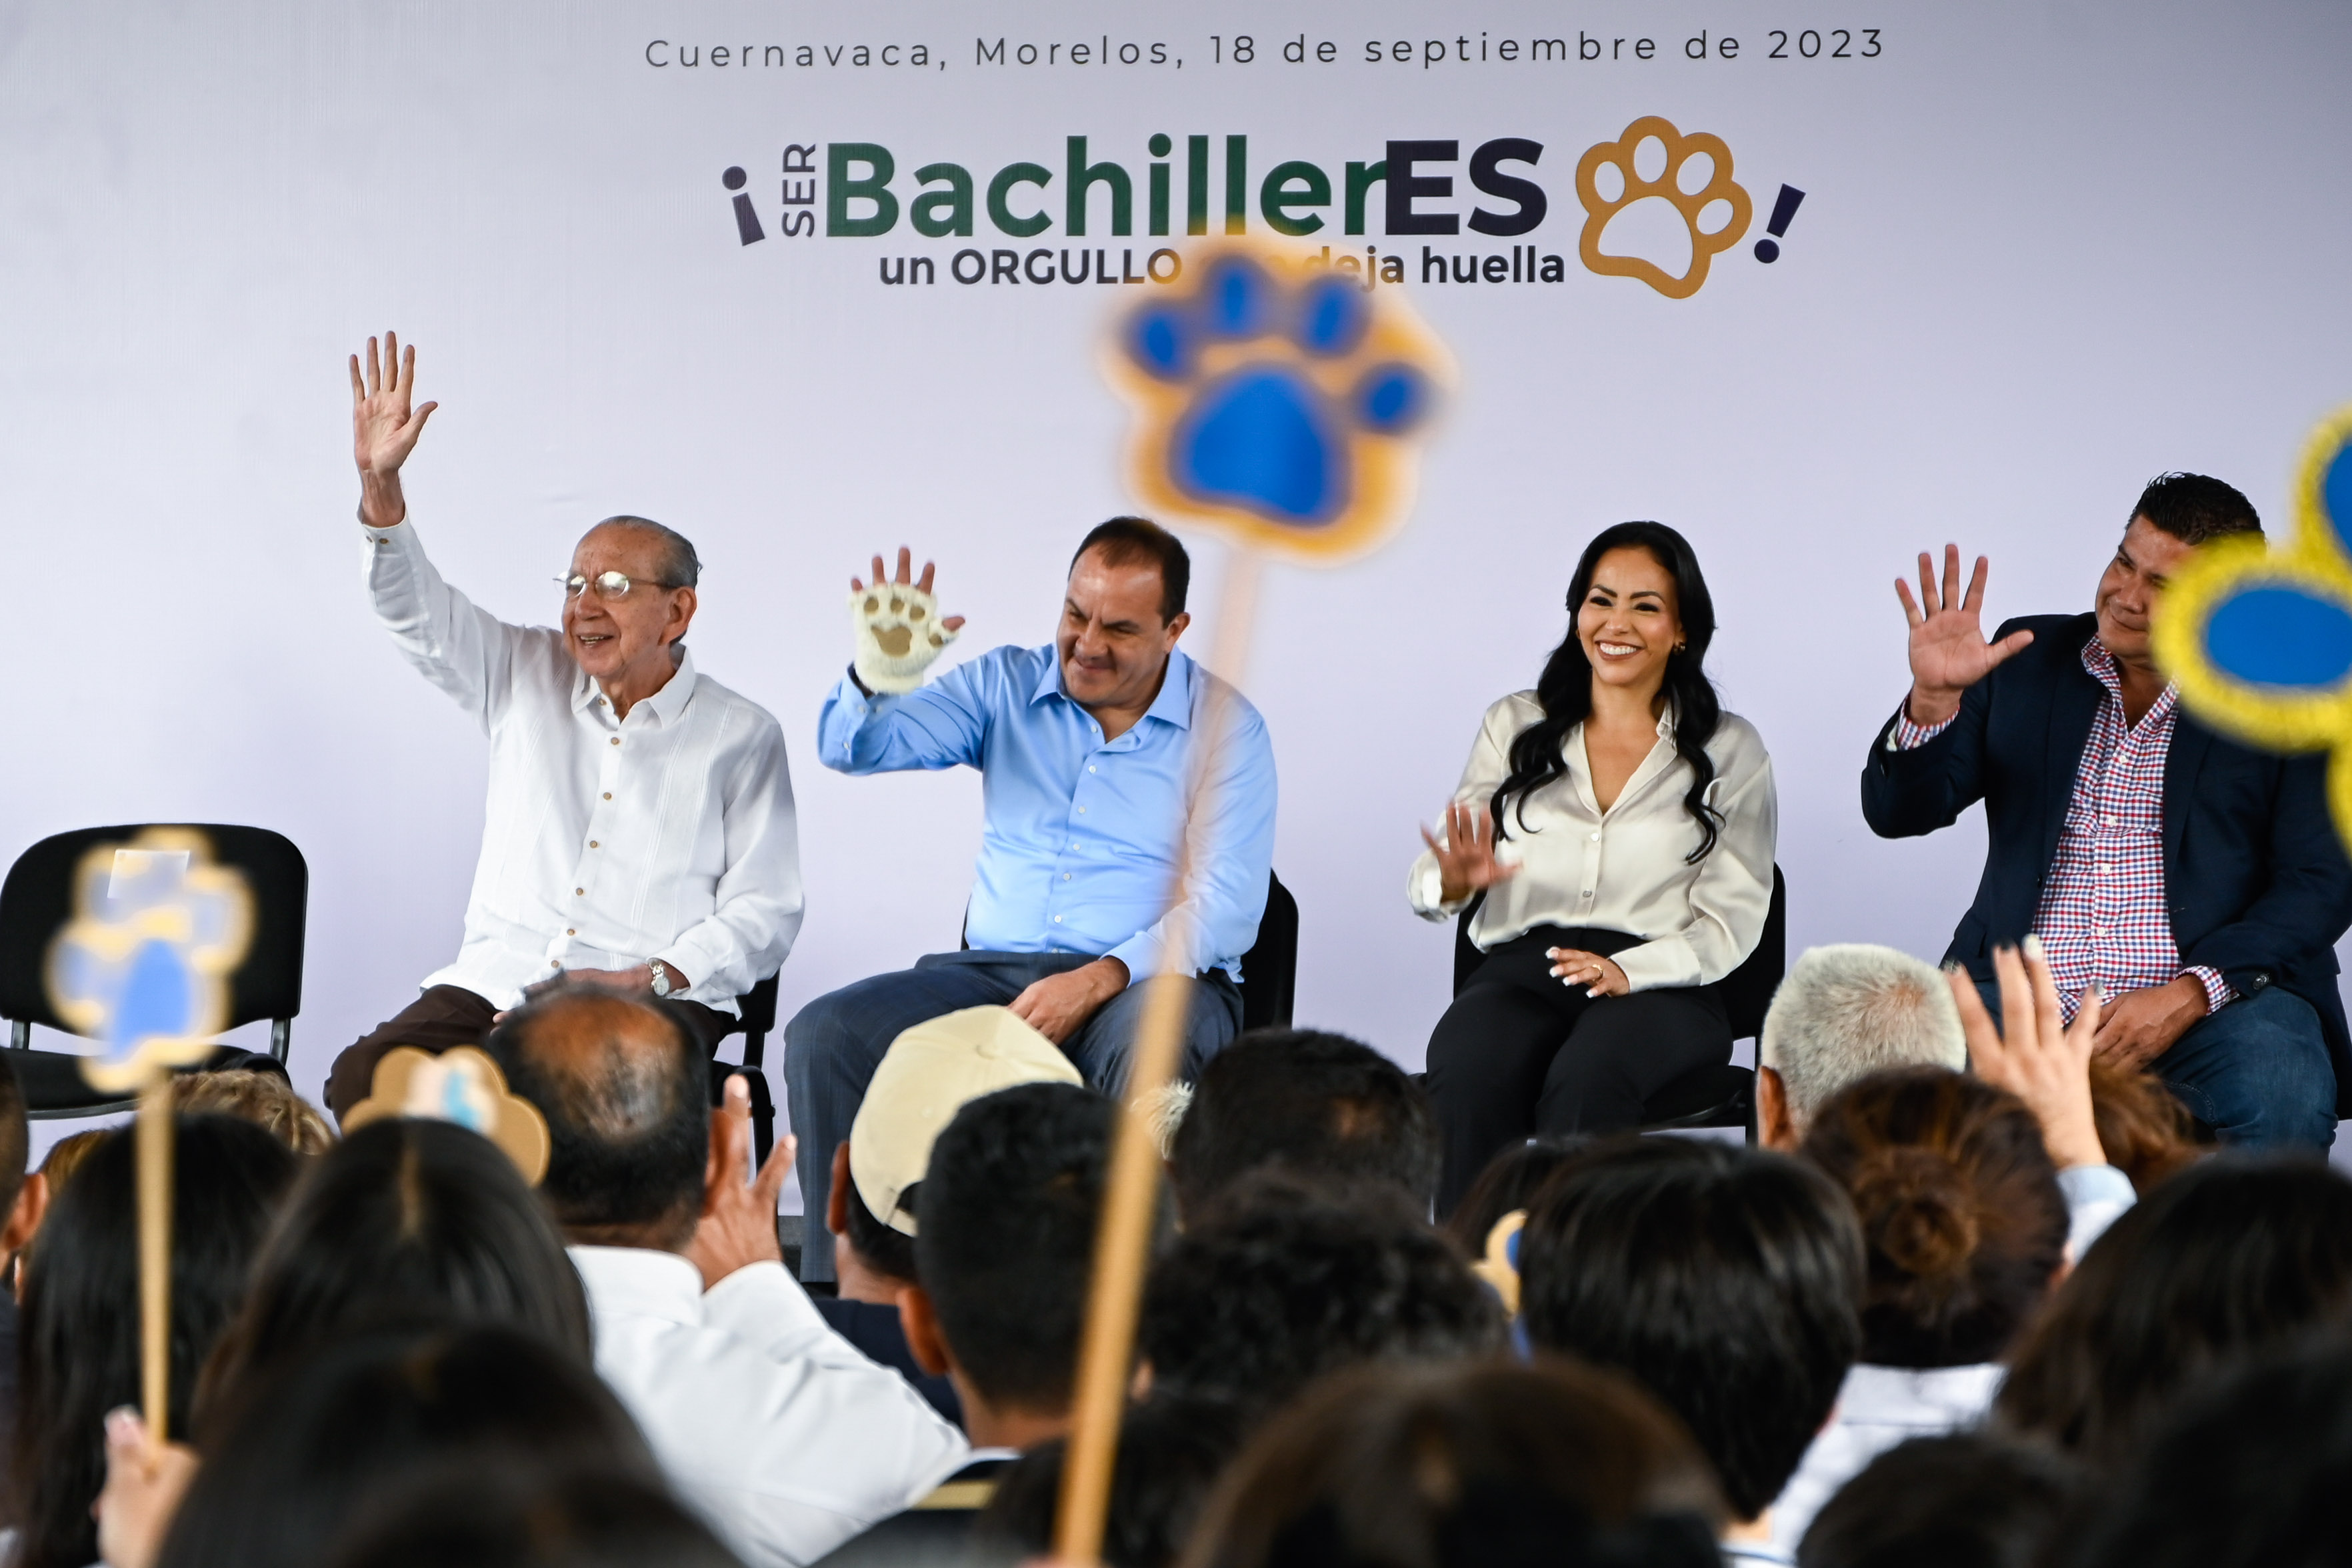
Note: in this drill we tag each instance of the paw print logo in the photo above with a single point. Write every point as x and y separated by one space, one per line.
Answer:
144 963
1656 193
1285 408
899 633
463 1085
2261 643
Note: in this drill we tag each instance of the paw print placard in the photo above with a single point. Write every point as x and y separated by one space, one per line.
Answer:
461 1085
1281 403
1655 165
2259 642
143 965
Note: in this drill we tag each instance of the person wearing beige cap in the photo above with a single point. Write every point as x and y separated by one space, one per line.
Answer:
930 1072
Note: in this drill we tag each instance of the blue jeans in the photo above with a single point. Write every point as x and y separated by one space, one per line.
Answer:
832 1046
2256 1072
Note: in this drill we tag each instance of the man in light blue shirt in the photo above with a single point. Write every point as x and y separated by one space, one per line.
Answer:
1088 749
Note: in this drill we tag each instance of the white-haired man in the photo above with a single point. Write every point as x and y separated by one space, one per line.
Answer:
1843 1012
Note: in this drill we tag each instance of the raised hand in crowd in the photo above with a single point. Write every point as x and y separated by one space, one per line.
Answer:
898 626
385 427
738 1199
1948 651
1466 862
144 1482
2033 1055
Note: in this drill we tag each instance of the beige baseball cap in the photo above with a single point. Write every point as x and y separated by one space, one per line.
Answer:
929 1073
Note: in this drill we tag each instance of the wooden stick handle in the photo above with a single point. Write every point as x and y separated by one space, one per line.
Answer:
154 1150
1131 1189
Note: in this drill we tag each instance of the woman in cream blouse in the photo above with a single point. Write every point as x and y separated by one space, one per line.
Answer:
1621 826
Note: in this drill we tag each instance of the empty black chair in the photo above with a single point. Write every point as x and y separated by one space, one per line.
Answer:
757 1008
1721 1096
37 899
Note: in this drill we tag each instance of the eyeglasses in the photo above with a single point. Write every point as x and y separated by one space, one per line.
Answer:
608 585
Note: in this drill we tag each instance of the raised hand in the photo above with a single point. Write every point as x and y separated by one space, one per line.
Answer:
897 627
1948 651
385 427
1466 857
2032 1055
737 1226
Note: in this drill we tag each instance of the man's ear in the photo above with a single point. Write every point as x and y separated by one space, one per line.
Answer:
683 603
836 1197
924 1340
1176 627
1775 1128
25 1218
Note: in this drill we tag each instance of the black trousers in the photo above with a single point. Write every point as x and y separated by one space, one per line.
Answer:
1519 1053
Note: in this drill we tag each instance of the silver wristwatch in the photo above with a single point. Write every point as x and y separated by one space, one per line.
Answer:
662 987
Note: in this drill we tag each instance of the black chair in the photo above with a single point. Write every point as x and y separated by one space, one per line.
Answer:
758 1009
1721 1096
1270 968
37 899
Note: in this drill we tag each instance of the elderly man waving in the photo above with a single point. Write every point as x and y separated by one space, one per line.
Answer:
639 827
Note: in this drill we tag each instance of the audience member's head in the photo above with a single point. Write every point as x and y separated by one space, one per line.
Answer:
68 1154
1507 1185
403 1220
79 1340
626 1095
1846 1012
24 1194
1322 1105
1171 1453
1478 1466
2222 1263
1723 1279
298 1453
1280 1283
1963 1501
462 1515
1961 1216
1003 1245
2249 1472
265 1099
930 1072
2148 1134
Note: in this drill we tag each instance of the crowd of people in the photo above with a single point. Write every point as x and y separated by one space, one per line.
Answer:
1929 1318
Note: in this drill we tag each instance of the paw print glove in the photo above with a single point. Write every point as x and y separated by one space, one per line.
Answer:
897 632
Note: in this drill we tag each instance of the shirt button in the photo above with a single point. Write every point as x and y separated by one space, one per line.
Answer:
579 892
1057 920
1596 838
1091 767
616 740
554 963
592 844
1082 811
569 931
608 794
1066 876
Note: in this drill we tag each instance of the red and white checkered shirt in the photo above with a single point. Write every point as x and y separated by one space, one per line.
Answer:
2104 918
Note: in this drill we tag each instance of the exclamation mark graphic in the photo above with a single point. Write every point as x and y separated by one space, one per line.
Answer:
1783 209
747 221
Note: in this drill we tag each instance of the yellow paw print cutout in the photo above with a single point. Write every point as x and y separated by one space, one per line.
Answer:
462 1085
2261 643
1656 193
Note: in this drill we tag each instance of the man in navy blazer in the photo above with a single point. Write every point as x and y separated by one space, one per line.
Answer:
2198 885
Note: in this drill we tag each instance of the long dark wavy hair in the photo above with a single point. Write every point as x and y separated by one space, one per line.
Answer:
1565 689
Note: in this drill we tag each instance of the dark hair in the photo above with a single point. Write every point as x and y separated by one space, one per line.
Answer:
1171 1453
1509 1183
2223 1262
462 1514
2249 1473
2194 508
1318 1103
1487 1464
1963 1501
680 566
15 1137
403 1219
1723 1279
885 1251
301 1451
2148 1134
1961 1216
1565 687
626 1094
77 1340
1280 1283
1140 541
1004 1235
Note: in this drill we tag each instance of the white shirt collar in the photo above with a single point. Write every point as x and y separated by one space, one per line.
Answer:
641 1281
665 705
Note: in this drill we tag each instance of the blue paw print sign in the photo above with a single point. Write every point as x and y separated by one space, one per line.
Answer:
143 965
1282 402
2259 643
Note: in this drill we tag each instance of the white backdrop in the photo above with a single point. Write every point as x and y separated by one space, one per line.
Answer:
2048 249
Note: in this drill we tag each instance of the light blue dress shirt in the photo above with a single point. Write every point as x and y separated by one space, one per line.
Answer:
1080 838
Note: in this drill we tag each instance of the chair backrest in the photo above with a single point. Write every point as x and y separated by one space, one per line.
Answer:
38 896
1270 968
1747 991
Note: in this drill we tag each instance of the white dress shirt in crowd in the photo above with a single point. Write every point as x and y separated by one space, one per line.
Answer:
1624 869
1877 1407
787 1439
606 843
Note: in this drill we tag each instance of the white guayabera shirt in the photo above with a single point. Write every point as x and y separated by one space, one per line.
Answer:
669 834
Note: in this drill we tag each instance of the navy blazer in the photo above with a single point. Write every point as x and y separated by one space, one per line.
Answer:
2258 884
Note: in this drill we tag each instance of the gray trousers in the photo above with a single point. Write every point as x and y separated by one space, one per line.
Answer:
832 1046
